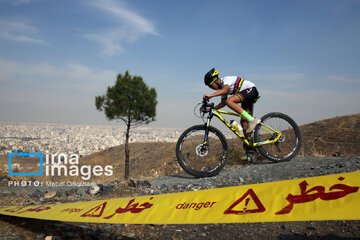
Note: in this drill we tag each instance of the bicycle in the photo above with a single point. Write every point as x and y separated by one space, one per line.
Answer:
202 150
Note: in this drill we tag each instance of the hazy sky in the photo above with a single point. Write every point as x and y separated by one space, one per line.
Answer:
56 56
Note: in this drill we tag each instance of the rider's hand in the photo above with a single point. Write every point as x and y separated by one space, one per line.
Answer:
206 97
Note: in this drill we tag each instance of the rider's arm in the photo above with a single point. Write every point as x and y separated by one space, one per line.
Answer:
221 104
221 92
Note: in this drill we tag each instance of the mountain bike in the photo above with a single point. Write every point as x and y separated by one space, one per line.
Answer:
202 150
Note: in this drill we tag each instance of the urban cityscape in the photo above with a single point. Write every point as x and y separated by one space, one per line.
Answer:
79 139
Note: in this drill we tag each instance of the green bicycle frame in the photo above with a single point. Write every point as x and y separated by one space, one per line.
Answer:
217 113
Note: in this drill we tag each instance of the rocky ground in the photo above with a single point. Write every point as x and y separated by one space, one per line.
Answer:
256 172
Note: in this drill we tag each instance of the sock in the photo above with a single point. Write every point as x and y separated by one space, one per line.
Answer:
246 115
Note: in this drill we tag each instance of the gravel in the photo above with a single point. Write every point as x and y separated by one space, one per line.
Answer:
299 167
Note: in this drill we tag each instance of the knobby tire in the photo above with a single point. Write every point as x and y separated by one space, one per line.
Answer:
199 160
289 143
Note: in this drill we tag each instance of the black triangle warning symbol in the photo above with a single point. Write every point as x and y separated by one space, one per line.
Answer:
250 193
96 211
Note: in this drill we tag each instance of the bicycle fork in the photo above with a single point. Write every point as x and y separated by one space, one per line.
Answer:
207 130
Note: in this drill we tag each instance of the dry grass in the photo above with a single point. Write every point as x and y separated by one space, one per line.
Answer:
340 135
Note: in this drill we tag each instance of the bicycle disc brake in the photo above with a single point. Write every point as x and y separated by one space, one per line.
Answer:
281 139
202 150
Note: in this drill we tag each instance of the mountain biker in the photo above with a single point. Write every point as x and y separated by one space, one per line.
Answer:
241 91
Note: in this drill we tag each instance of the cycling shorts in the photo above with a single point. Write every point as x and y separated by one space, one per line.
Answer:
247 98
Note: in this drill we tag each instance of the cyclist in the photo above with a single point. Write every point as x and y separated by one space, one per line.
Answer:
242 91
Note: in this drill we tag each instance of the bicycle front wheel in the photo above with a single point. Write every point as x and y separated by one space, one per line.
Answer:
289 143
200 155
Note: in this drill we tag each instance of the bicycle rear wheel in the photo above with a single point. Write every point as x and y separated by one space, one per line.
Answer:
289 142
199 159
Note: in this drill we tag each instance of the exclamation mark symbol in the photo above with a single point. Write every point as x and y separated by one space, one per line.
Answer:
246 203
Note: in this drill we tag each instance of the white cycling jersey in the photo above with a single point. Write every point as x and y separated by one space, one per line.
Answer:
236 84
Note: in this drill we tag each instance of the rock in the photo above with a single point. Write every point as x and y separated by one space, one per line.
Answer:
132 183
139 183
339 165
131 234
52 238
4 178
95 190
145 184
49 194
61 193
40 236
311 226
106 189
195 188
82 191
337 154
16 167
69 234
106 235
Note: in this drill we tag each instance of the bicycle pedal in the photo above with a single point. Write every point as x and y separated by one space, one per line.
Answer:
250 150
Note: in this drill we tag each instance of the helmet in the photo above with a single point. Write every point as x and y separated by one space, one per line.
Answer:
210 76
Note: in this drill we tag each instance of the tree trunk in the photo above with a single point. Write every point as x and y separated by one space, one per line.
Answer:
127 152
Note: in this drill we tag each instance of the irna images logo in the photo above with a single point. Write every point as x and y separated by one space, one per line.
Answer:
59 165
17 154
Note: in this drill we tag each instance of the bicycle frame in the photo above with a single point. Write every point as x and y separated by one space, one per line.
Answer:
217 113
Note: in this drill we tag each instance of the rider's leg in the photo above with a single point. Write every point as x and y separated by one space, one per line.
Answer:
244 124
248 106
232 102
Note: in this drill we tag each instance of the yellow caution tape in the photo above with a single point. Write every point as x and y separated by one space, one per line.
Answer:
333 197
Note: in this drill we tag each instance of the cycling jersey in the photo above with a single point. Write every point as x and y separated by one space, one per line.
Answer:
236 84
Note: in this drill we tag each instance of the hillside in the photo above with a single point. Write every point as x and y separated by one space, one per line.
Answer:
332 137
338 136
329 137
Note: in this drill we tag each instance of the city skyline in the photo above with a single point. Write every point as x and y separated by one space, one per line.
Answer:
79 139
56 56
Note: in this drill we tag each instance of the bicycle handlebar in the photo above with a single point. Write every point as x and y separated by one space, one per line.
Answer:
205 105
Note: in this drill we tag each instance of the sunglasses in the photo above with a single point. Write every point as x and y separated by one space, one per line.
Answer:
214 79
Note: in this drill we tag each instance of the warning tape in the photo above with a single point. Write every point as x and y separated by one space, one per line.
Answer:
332 197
